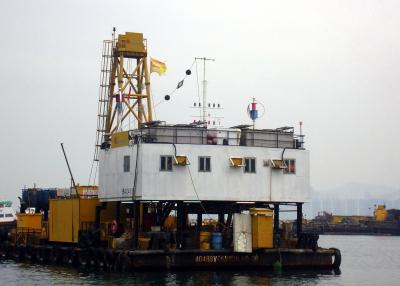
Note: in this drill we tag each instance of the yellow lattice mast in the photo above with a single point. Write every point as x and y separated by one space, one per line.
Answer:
124 97
129 87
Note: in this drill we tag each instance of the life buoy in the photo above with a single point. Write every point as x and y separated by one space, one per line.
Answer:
114 227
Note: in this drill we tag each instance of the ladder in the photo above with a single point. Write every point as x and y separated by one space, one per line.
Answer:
105 74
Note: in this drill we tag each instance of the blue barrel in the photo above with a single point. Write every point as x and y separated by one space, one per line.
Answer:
216 240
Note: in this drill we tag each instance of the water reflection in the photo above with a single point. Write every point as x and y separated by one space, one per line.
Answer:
40 274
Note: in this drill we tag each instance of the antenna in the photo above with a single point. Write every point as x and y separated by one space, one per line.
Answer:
113 35
211 120
204 59
301 136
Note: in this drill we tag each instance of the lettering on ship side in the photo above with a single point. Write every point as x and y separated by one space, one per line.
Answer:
224 258
127 191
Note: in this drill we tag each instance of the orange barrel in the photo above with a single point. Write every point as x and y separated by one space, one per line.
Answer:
143 243
204 245
204 239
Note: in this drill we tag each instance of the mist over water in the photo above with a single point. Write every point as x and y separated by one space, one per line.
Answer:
366 260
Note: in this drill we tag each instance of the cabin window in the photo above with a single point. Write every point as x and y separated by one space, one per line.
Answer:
127 164
9 215
249 165
166 163
290 166
1 215
204 164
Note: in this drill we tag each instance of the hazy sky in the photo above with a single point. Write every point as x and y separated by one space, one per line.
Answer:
334 65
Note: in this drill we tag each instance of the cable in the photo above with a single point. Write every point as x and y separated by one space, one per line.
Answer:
180 83
95 173
139 138
197 195
283 152
194 188
91 170
173 144
198 198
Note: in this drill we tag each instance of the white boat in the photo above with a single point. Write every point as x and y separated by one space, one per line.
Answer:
7 213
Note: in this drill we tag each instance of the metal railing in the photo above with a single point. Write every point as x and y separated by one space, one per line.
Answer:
203 136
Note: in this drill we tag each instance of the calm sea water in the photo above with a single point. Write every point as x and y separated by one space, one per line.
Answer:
366 260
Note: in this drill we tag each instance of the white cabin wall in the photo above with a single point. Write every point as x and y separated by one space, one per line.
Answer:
112 178
223 183
291 187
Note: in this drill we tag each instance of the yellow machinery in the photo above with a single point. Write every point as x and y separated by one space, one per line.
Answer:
120 139
337 219
131 43
30 228
262 227
68 216
380 213
29 221
86 191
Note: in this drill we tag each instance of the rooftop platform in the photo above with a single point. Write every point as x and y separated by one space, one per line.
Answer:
240 135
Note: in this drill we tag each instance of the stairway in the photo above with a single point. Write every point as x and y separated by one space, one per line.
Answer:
105 73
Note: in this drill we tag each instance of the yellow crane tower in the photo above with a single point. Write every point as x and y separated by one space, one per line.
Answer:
124 87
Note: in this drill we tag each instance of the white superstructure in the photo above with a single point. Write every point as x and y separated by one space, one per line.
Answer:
7 213
199 164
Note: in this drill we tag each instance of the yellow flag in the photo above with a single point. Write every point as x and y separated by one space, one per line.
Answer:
157 66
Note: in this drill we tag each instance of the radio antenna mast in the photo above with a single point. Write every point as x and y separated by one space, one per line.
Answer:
204 59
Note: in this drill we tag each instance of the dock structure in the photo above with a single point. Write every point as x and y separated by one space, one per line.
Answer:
173 196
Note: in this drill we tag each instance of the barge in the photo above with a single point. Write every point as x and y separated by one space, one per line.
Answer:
383 222
172 196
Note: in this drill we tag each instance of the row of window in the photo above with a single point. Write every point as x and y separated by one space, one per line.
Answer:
205 164
166 163
6 215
